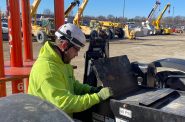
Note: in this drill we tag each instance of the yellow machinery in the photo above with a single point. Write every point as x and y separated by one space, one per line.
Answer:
113 28
130 34
85 29
147 24
72 5
45 29
78 16
88 31
157 24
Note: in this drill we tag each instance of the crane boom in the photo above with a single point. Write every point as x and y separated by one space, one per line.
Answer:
157 3
79 13
156 23
34 7
72 5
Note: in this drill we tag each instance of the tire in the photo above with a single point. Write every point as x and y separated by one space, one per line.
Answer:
41 37
121 33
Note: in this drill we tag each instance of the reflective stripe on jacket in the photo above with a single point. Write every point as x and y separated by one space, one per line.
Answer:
52 80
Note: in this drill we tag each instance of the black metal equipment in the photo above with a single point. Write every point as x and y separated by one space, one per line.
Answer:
134 100
98 48
148 76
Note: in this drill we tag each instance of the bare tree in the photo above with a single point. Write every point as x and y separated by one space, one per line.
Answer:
111 17
101 18
48 12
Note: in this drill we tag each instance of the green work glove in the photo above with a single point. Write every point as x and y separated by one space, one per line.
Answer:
95 89
105 93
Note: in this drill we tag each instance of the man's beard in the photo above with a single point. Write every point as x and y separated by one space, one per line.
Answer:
66 59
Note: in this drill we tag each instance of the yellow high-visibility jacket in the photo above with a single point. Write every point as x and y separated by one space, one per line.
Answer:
54 81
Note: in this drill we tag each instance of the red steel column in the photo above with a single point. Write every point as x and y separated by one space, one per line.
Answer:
2 84
15 41
27 34
26 28
59 13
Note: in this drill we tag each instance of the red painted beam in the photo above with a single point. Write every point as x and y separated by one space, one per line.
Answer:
59 13
15 41
2 73
26 28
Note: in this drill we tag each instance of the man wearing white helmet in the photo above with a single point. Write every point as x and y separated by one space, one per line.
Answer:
52 77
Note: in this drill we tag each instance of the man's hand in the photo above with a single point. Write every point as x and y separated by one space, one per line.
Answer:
105 93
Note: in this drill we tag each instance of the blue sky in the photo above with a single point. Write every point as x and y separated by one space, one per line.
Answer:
115 7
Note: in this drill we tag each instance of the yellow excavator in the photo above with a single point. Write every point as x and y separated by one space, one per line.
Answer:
158 29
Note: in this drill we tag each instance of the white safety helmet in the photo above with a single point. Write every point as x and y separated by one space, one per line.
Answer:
72 33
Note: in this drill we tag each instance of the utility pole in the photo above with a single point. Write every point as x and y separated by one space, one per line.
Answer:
123 9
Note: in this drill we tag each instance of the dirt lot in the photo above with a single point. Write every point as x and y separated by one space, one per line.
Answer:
143 49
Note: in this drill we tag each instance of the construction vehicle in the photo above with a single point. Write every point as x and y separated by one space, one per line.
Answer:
147 23
113 29
46 29
129 33
88 31
158 29
78 16
77 20
69 9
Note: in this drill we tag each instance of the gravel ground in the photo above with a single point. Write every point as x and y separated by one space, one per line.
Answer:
143 49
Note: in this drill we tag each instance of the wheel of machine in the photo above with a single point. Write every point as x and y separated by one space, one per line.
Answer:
110 34
41 37
121 33
106 49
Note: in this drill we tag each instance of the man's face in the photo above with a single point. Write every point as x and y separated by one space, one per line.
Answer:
70 54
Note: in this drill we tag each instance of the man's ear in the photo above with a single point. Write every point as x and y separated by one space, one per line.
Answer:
63 45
